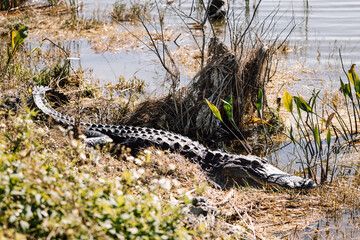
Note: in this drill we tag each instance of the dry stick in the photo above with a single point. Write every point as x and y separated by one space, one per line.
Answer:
154 47
201 23
248 27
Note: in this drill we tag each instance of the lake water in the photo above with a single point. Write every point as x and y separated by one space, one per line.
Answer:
322 28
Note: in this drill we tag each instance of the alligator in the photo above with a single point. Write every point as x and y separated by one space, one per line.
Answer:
222 169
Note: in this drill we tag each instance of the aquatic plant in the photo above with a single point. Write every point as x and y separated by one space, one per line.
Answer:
17 38
228 107
316 148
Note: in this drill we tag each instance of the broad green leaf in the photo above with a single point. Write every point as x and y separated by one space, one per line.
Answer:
13 34
214 109
328 137
228 107
358 95
347 90
288 101
357 84
354 78
302 104
259 102
350 77
20 36
317 135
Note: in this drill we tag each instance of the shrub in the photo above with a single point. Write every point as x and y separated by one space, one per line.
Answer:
44 195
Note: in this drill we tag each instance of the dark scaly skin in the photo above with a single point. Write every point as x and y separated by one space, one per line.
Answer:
224 169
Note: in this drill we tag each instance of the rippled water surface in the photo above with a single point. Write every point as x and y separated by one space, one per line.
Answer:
322 28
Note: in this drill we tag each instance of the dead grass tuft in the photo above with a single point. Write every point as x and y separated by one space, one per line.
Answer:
225 74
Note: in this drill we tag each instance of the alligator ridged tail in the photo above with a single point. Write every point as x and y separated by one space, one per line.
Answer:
44 106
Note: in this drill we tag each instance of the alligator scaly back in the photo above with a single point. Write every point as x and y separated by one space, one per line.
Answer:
224 169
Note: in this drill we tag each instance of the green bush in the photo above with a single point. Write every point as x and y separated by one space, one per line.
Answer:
43 194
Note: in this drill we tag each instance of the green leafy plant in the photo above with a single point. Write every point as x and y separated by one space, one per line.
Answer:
17 38
318 149
43 194
228 107
234 129
310 143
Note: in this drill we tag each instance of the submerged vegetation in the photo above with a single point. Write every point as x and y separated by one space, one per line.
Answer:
52 187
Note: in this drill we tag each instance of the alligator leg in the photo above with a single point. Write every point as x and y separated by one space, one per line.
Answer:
95 138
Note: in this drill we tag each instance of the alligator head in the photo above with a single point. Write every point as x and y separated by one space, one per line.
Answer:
259 171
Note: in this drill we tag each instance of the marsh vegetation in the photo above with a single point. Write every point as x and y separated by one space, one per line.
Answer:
52 187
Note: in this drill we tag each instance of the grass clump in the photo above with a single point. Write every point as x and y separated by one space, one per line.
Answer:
43 194
125 12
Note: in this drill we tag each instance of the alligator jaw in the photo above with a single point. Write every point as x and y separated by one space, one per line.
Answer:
264 174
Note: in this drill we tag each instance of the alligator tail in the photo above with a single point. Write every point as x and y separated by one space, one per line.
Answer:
44 106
